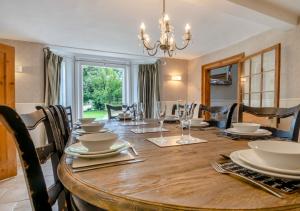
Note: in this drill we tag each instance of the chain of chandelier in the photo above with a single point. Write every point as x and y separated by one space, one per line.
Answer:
167 39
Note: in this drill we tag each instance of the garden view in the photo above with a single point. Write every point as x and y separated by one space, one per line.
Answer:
101 86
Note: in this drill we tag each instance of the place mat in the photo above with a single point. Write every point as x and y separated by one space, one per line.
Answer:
172 141
148 130
283 185
83 162
134 123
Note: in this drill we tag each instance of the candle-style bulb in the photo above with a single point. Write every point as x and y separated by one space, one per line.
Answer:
187 28
143 26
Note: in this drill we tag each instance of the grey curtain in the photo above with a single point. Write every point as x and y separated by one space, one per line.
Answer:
52 73
149 87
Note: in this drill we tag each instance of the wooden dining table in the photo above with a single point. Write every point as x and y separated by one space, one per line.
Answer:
170 178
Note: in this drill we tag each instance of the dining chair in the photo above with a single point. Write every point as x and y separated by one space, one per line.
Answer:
278 113
31 158
61 121
68 110
111 108
192 107
225 114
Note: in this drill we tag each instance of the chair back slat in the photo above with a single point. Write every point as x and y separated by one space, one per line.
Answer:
28 157
215 110
45 152
279 113
68 110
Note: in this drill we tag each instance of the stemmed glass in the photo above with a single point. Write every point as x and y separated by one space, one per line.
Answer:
190 114
139 114
181 114
143 112
161 115
124 110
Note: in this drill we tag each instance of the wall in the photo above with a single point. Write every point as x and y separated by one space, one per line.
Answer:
290 51
29 83
171 91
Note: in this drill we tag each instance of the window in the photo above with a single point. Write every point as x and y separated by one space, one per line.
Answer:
101 85
260 78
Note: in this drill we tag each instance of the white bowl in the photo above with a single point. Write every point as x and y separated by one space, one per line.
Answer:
93 127
280 154
86 120
98 141
246 127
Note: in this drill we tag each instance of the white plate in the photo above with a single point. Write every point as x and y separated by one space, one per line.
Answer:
109 154
79 148
249 156
202 124
234 156
259 132
82 132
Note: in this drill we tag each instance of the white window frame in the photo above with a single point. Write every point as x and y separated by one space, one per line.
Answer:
78 86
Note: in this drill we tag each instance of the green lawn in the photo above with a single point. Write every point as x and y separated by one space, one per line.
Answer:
95 114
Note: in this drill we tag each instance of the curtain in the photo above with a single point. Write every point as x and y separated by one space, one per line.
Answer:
52 73
149 94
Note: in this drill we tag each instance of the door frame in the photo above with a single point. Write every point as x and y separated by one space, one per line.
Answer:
205 85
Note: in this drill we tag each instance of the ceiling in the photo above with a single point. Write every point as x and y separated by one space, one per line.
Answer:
112 26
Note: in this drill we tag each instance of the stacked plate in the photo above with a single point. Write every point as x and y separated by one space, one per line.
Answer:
98 145
273 158
247 129
89 126
198 122
123 116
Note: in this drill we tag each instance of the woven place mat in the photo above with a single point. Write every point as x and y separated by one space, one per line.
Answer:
148 130
172 141
283 185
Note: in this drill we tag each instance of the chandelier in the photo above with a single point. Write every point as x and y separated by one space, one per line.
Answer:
166 41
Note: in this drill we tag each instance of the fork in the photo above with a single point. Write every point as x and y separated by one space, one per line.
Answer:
221 170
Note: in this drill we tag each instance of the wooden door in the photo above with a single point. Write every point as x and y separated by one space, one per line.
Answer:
8 163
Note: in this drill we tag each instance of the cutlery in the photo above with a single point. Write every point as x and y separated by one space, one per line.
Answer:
221 170
108 165
225 156
133 149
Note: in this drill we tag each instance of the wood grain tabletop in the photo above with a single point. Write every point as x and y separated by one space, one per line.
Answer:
171 178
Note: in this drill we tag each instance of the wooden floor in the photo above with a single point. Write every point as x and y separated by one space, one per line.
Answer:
13 192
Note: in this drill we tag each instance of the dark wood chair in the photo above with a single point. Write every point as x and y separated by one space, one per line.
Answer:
61 120
278 113
191 108
68 110
226 113
32 158
111 108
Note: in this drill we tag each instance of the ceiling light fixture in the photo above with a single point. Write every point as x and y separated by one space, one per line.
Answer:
167 39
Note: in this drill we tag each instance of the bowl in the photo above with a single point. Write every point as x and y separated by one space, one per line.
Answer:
246 127
280 154
86 120
93 127
98 141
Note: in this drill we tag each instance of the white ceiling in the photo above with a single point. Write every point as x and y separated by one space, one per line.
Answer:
112 26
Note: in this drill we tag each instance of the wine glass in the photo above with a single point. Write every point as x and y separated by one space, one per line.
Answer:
190 114
181 114
124 110
143 112
161 115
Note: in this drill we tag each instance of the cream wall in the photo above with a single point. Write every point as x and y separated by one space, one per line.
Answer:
29 84
173 90
290 65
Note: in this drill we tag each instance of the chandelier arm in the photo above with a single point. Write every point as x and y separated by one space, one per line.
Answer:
148 46
170 53
155 48
185 45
